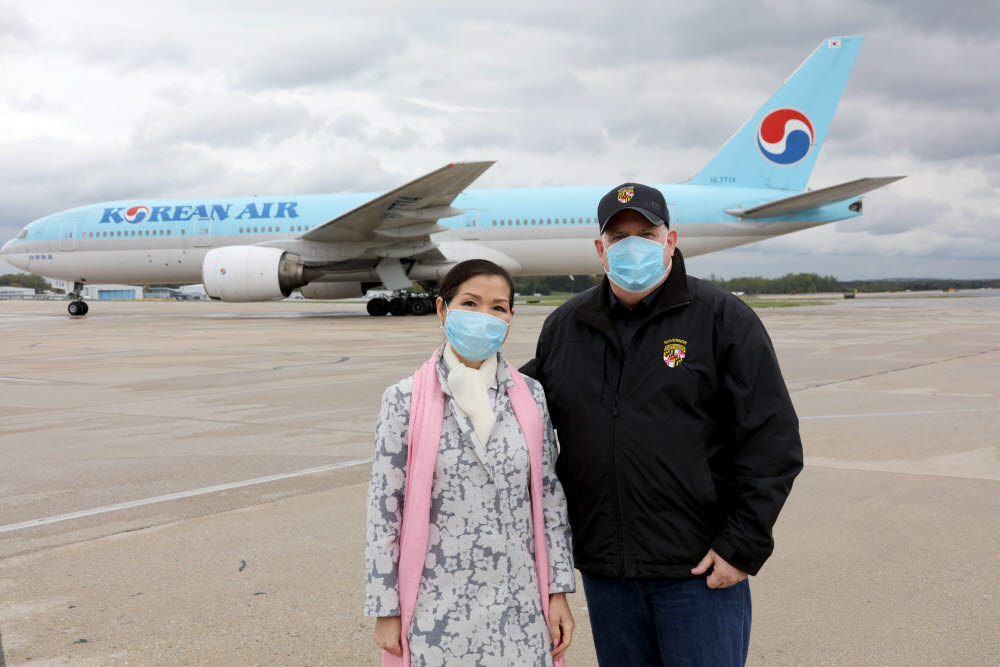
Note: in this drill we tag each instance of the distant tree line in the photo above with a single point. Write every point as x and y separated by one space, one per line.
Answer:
800 283
25 280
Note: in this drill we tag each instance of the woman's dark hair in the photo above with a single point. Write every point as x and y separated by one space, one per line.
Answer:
471 268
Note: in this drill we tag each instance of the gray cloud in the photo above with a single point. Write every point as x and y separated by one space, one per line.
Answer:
14 25
127 52
207 119
338 51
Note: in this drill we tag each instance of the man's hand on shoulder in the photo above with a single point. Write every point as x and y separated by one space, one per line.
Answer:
723 574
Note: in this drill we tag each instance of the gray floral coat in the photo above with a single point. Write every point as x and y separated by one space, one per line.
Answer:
478 601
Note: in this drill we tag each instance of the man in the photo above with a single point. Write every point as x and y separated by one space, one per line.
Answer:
678 444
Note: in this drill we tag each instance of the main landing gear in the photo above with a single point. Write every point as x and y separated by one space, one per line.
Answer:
401 304
77 307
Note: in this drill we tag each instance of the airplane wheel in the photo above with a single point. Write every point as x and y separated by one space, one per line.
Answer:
430 306
417 306
378 307
75 308
397 306
86 308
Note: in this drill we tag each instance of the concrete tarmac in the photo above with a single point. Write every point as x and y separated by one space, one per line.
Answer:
184 482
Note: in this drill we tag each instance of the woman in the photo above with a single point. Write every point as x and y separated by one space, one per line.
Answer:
463 490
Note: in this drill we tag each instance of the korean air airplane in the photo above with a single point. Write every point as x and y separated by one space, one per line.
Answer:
335 246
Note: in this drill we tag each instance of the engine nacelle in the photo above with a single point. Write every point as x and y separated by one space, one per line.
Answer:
332 290
251 273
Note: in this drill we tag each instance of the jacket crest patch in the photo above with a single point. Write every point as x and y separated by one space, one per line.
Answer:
674 351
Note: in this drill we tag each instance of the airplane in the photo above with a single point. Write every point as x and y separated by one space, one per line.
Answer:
341 245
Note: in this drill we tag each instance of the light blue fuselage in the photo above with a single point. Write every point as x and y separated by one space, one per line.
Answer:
546 231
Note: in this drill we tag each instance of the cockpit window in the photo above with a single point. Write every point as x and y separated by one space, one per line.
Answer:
23 233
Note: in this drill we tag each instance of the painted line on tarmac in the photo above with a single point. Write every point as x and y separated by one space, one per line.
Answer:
27 380
177 496
912 413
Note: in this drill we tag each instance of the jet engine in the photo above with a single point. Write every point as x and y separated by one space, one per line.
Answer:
252 273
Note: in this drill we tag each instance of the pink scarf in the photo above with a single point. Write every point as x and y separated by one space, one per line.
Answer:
426 420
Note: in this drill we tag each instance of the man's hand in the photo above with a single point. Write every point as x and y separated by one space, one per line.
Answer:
723 574
560 623
388 630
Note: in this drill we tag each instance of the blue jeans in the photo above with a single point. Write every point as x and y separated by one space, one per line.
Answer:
668 622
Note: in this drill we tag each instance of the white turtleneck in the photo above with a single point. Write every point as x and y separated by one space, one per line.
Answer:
474 391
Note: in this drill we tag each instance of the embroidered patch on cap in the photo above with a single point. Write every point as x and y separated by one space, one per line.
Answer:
674 351
625 194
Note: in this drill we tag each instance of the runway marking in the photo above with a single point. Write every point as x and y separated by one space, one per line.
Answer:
318 363
177 496
910 413
896 370
29 380
983 463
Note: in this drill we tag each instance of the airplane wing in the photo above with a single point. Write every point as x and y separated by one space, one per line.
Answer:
407 213
813 198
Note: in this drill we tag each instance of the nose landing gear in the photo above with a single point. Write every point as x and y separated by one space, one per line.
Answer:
77 307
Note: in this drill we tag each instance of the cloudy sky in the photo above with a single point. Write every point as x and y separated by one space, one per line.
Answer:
115 100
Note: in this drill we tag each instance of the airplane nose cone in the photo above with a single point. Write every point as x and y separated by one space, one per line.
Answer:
7 254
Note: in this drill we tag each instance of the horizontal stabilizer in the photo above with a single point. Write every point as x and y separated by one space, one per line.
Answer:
813 199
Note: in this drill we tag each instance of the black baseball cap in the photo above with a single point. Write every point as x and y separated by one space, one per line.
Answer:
634 197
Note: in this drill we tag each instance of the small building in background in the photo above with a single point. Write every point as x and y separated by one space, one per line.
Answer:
112 292
8 292
163 293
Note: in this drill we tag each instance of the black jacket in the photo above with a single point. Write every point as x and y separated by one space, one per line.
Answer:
661 463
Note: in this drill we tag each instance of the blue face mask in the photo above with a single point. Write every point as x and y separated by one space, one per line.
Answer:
475 336
636 264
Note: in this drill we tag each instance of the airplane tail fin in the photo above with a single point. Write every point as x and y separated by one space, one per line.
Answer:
778 145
